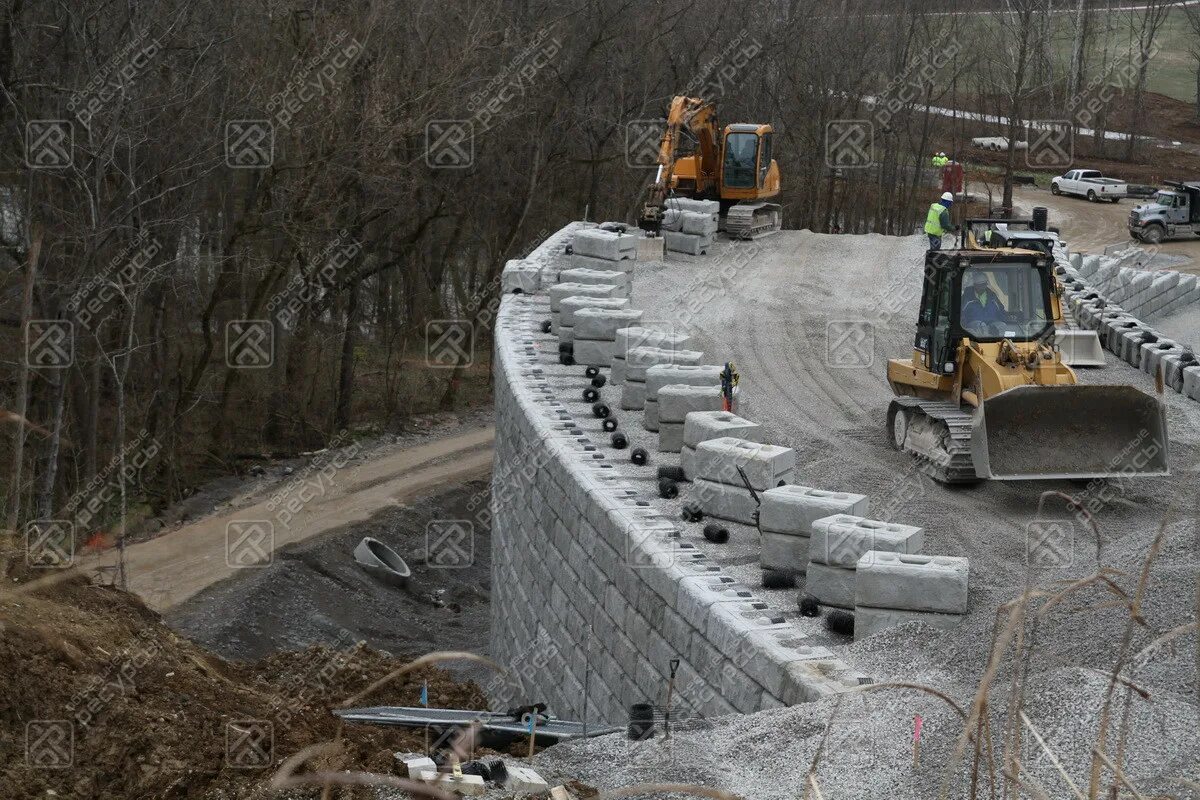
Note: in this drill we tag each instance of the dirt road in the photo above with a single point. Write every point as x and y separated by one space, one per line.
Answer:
175 566
1091 227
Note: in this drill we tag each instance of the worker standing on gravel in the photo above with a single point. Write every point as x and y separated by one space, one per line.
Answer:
937 221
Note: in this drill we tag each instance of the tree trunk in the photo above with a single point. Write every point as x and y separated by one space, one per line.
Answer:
345 392
22 404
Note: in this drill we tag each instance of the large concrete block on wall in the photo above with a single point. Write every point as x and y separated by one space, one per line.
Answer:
1191 382
591 353
569 305
793 509
646 336
765 465
520 275
676 401
700 426
841 540
608 245
687 243
831 586
577 261
784 552
602 323
563 290
675 372
720 500
912 582
598 277
639 359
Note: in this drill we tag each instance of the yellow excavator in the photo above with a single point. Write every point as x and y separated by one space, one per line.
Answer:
987 396
733 166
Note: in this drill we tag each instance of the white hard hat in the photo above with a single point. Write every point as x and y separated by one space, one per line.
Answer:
948 196
941 153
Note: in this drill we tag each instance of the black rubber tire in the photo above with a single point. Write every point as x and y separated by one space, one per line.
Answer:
639 456
566 347
498 770
591 372
809 607
668 489
691 513
567 358
840 621
673 473
545 326
590 395
774 579
600 410
1091 195
641 722
599 381
716 533
619 442
1054 190
609 425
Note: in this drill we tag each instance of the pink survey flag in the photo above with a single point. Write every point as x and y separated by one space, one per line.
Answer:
918 723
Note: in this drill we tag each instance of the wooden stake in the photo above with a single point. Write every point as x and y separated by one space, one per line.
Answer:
532 733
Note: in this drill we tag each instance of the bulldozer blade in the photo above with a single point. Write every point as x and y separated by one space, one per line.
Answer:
1045 432
1079 348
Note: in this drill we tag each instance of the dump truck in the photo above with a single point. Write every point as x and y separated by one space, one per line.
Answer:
984 395
1172 213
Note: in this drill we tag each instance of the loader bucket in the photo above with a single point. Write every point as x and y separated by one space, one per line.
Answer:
1079 348
1044 432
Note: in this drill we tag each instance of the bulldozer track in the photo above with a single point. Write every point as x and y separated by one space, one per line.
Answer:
953 465
753 220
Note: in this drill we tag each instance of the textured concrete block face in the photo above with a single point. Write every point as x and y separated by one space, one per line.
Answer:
765 465
700 426
670 437
577 261
608 245
650 414
831 586
640 336
633 395
912 582
639 359
667 374
687 243
563 290
784 552
566 333
591 353
687 459
709 207
1191 382
569 305
872 620
602 323
617 376
676 401
598 277
723 501
650 248
793 509
520 275
842 540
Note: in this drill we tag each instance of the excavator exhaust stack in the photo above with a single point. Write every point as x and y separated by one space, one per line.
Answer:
1069 431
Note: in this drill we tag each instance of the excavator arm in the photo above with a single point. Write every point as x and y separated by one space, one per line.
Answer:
698 117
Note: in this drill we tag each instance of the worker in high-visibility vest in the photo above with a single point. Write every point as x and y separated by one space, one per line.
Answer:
937 221
940 160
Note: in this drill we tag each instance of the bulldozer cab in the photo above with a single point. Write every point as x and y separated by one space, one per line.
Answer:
746 157
985 296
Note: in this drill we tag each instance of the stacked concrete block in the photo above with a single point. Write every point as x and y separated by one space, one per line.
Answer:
675 402
638 361
1190 386
561 291
650 249
595 333
701 426
1151 354
675 372
605 245
637 336
603 277
786 522
625 265
569 305
1185 294
839 541
696 245
892 588
695 223
1174 365
709 207
520 276
719 489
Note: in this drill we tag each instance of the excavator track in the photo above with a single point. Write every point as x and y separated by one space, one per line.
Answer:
937 435
753 220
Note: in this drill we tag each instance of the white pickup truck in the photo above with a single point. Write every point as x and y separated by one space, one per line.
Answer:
1091 184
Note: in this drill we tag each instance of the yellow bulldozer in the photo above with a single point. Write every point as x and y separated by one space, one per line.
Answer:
733 166
986 394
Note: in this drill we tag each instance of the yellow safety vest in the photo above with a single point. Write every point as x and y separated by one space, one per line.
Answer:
933 220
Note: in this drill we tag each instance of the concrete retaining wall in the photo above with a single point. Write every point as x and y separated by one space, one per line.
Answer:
591 584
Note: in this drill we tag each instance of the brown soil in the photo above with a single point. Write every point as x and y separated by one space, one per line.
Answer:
149 710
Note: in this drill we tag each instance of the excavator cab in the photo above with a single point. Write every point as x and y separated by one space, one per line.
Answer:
986 395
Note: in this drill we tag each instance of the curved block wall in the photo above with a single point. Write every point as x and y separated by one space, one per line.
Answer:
591 585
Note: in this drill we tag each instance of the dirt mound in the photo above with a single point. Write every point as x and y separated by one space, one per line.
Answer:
103 700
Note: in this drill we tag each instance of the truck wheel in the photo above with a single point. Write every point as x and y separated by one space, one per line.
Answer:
1114 200
1091 195
1054 190
1153 234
